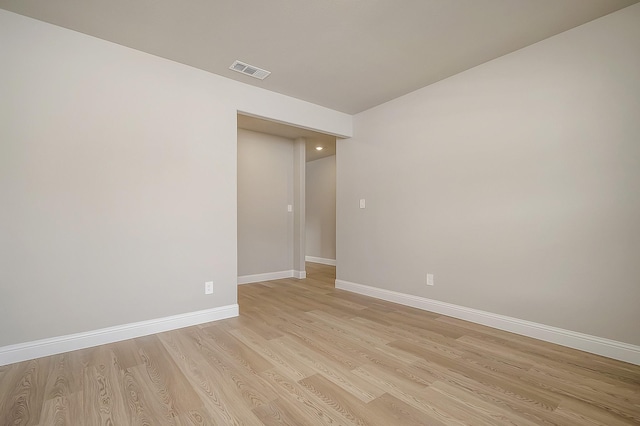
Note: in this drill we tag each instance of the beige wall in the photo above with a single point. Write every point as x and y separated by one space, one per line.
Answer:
299 215
117 181
265 188
321 208
517 183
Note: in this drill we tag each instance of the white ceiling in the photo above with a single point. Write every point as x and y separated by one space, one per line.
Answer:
349 55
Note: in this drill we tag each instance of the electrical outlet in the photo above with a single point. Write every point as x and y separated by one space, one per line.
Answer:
208 287
430 279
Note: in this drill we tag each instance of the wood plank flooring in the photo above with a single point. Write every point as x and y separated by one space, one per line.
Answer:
303 353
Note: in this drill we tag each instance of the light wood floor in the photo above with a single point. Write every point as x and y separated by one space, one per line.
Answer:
303 353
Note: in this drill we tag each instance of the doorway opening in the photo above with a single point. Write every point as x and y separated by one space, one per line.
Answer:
286 215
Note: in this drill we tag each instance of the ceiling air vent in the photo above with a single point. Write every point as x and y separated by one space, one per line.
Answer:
249 70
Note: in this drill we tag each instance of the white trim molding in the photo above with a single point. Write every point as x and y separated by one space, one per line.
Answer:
268 276
71 342
584 342
331 262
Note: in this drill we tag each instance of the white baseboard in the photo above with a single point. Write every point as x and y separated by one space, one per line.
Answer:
256 278
322 260
268 276
584 342
56 345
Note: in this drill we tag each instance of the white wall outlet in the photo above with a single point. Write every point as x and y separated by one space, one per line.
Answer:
208 287
429 279
362 203
289 208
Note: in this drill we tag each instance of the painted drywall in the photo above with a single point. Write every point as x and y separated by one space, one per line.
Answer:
265 188
117 181
299 196
321 208
516 183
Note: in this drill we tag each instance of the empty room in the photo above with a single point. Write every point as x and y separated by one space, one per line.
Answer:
176 249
